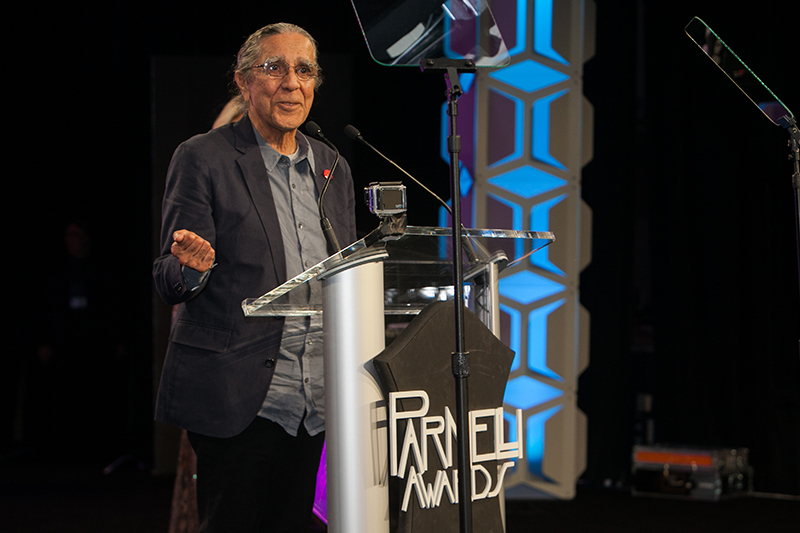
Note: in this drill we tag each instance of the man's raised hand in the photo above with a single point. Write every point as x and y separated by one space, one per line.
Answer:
192 250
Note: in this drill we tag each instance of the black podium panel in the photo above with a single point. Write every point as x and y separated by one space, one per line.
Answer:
419 359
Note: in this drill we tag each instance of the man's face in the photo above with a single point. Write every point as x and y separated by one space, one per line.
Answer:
278 106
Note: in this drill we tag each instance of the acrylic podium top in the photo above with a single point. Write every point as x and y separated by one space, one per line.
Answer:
417 268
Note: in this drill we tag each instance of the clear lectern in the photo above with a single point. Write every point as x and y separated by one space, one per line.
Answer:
365 286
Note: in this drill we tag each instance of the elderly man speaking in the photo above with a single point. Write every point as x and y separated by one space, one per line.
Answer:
240 217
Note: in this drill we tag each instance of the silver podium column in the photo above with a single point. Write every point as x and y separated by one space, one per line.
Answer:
358 494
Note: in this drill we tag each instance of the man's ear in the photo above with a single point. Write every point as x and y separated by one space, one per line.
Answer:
241 82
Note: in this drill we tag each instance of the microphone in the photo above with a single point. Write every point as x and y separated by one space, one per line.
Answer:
355 135
313 129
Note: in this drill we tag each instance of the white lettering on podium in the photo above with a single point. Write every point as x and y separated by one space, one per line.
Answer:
411 460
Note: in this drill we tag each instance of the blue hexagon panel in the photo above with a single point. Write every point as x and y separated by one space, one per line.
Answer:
527 182
525 392
543 30
526 287
537 340
541 130
540 219
534 445
529 76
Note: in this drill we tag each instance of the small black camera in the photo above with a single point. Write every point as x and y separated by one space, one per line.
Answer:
386 198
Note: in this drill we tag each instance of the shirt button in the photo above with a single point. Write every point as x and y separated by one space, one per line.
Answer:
306 380
269 363
307 264
309 342
300 225
294 186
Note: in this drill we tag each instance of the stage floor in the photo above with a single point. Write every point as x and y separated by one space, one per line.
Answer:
40 496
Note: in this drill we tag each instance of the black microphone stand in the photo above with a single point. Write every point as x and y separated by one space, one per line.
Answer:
460 357
790 124
314 130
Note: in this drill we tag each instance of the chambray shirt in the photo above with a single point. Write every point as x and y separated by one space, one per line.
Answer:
297 385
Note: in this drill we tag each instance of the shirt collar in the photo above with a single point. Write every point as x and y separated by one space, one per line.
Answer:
272 156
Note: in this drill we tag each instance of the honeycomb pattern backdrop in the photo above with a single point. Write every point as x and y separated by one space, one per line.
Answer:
526 133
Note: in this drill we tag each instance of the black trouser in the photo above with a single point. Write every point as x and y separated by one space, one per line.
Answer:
261 480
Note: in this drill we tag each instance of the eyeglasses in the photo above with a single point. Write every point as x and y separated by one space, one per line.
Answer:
279 69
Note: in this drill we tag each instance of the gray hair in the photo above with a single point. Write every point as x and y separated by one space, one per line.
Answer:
250 52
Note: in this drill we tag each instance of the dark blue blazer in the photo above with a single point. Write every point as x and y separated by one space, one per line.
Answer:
219 365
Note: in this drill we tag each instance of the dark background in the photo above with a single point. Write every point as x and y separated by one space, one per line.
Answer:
692 290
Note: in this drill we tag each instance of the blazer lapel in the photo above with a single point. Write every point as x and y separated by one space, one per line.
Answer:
319 176
257 181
